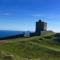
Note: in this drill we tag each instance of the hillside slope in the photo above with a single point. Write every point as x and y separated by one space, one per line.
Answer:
34 48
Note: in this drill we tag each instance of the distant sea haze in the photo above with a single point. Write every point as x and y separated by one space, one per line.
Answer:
7 33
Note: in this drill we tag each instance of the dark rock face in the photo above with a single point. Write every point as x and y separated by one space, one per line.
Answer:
57 38
57 35
33 34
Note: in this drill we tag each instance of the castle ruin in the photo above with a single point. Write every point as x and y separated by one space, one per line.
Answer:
41 27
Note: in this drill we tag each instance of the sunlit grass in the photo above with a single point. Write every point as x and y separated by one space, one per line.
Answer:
33 48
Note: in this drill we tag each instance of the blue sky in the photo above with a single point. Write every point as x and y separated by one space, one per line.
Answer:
22 14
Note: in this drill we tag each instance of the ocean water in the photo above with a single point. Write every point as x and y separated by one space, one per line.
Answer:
6 33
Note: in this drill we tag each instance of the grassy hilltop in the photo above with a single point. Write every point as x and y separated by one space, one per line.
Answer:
33 48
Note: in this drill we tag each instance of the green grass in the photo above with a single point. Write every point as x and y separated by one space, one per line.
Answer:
34 48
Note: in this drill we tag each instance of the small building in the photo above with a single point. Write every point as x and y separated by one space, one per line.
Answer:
40 27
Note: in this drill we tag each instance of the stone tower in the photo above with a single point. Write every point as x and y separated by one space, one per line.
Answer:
40 26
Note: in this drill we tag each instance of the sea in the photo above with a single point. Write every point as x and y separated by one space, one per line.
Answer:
7 33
